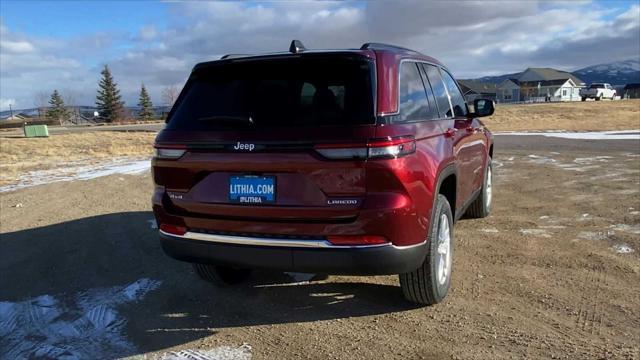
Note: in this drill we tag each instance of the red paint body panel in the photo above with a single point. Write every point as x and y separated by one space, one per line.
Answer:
387 70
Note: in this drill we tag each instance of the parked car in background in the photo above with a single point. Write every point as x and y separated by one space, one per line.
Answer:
598 91
353 161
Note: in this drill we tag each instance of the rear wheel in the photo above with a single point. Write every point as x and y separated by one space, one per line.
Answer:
429 284
584 98
221 275
481 206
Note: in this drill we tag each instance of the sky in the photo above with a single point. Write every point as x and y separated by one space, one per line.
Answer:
47 45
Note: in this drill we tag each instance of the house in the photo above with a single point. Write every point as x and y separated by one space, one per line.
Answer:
18 116
508 91
472 89
546 84
631 91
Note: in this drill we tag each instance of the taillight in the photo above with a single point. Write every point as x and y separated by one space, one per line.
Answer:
392 147
356 240
173 229
170 151
389 148
343 151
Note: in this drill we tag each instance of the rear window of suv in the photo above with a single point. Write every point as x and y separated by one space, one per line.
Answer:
277 92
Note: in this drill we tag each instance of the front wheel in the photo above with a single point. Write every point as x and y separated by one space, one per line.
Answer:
429 284
584 98
599 98
221 275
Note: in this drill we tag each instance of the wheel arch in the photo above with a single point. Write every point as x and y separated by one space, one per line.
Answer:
447 185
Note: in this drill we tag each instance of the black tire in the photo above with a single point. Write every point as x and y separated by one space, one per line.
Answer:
221 275
584 98
599 98
425 285
481 206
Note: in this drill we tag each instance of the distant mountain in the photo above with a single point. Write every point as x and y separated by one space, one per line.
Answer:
614 73
498 78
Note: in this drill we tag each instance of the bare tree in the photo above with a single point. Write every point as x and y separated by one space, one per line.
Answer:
41 102
170 94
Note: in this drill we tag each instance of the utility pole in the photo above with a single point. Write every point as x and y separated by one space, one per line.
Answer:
11 111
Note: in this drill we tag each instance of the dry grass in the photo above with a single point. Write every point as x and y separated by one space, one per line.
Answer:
18 155
575 116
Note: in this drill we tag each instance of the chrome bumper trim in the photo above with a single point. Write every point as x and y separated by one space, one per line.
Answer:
275 242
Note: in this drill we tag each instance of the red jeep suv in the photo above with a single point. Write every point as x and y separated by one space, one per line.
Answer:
335 162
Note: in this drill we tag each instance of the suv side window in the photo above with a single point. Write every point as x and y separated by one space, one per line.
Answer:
414 104
457 100
439 91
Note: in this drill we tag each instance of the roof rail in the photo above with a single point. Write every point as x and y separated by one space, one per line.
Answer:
233 56
382 46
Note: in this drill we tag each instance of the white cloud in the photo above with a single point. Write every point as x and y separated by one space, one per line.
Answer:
4 104
17 47
148 32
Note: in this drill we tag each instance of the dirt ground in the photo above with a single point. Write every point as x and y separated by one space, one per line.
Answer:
554 272
571 116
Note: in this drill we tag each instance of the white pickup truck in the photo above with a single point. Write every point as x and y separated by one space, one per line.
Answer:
598 91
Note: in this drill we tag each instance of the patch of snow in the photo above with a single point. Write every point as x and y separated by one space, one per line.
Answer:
490 230
582 168
543 217
626 192
623 248
44 327
75 171
541 160
585 217
593 235
590 160
242 352
634 229
535 232
596 135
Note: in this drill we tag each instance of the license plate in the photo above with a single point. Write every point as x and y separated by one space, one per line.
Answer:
252 189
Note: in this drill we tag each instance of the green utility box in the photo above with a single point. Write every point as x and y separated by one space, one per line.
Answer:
36 131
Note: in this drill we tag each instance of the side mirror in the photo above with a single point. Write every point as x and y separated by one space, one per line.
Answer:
483 107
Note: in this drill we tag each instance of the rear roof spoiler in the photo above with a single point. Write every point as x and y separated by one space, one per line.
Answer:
381 46
233 56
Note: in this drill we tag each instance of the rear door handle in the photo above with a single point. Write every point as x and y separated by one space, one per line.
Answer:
450 132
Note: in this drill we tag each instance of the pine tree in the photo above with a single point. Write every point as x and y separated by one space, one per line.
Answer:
108 101
57 109
145 104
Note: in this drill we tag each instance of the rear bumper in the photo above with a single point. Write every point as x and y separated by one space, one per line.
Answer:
312 256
